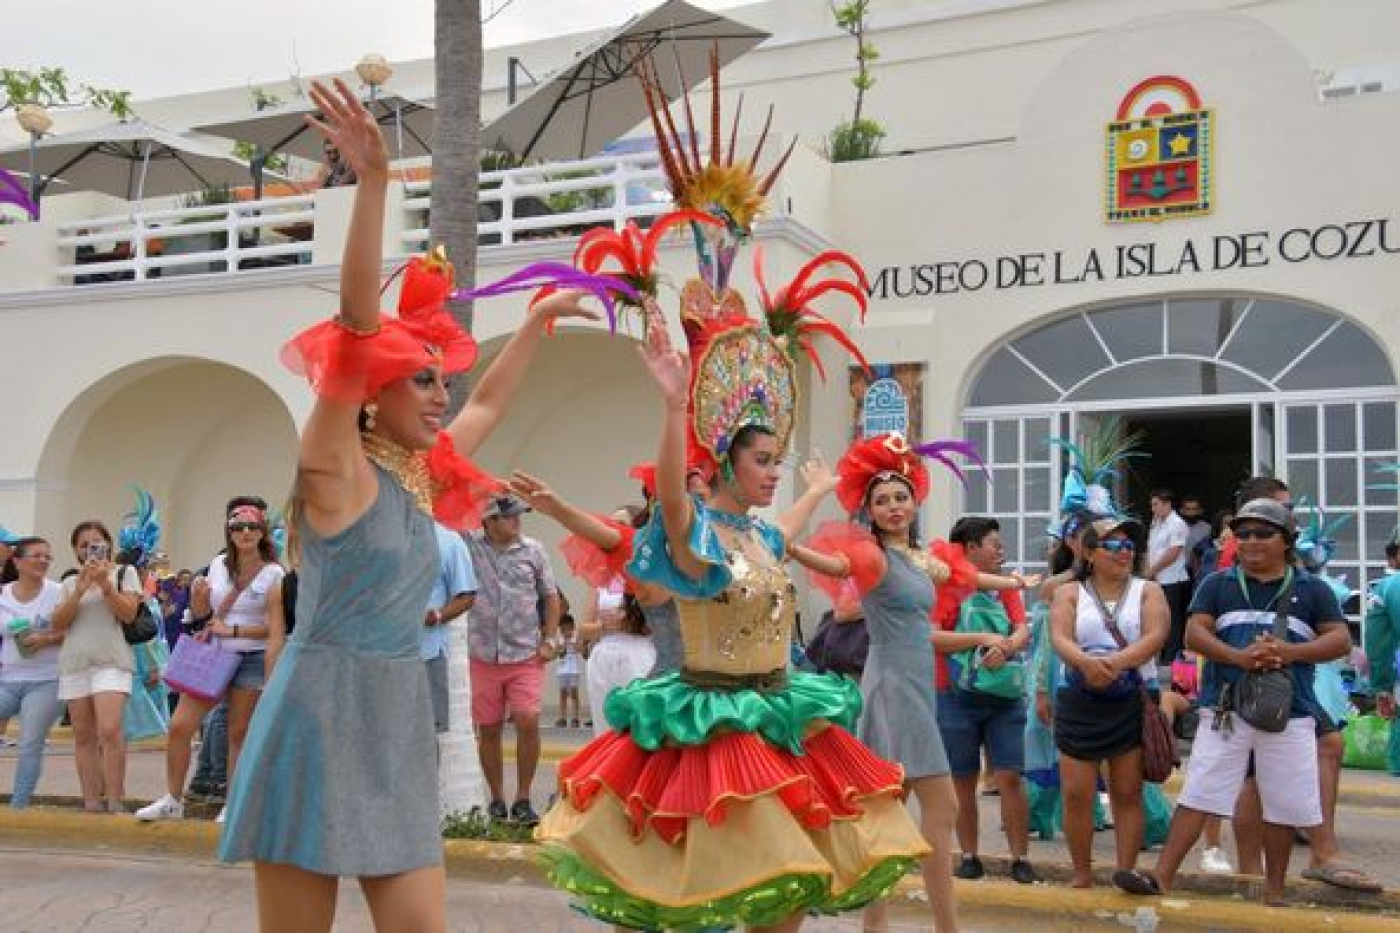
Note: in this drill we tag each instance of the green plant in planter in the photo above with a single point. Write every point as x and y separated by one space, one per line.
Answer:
860 136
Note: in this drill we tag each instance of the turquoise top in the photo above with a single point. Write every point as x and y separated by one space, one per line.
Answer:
652 562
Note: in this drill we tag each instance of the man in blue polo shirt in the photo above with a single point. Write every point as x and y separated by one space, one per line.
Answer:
1231 623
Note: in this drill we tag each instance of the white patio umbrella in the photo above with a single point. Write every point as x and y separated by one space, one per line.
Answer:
408 127
133 160
595 100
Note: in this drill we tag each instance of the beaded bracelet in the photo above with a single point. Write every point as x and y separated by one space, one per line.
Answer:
339 321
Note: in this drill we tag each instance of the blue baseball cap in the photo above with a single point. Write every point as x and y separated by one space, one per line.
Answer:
8 537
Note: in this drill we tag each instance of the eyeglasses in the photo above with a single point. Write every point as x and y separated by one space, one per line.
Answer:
1257 534
1117 545
244 526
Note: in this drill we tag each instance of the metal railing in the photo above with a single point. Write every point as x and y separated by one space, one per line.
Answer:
191 240
515 205
546 201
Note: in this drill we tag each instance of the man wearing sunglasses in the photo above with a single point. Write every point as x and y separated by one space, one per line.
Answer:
1231 624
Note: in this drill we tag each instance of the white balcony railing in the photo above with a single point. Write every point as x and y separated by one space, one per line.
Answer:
539 202
185 241
558 199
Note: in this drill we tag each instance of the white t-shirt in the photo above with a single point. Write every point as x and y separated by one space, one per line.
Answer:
1166 534
42 664
251 606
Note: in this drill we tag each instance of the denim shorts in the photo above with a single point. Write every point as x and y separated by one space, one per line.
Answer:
250 674
968 721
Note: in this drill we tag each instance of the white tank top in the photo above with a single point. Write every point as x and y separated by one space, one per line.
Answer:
1091 632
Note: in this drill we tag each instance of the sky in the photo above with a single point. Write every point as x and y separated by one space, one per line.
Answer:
160 48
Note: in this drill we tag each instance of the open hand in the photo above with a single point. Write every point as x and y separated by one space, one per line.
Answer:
533 490
346 123
556 306
669 368
817 475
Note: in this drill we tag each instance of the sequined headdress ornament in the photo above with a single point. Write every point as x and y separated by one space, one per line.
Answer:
743 367
891 456
140 532
1094 464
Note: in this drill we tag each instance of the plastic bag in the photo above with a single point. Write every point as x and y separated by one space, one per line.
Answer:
1365 739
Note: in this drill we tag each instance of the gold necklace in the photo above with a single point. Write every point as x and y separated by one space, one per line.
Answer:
409 467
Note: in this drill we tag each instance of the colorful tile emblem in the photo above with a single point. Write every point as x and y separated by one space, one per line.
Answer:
1159 154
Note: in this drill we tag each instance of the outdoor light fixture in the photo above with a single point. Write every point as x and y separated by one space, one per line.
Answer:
35 121
374 70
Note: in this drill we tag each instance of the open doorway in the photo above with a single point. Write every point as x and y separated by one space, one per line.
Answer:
1199 451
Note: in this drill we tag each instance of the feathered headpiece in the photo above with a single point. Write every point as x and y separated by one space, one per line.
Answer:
1317 540
1094 464
140 531
1392 470
12 192
891 456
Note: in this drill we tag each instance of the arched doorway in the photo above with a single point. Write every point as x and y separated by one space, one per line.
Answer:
193 432
1227 385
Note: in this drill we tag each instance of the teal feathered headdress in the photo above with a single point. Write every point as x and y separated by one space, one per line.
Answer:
1317 541
1094 464
1391 469
140 532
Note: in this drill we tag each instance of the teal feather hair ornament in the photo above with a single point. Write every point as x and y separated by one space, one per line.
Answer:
1095 463
1317 540
140 531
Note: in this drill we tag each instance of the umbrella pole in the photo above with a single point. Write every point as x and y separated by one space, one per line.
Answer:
34 187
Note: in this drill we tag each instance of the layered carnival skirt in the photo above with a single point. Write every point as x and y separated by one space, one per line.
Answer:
709 808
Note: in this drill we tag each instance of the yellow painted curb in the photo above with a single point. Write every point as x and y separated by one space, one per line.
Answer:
1053 906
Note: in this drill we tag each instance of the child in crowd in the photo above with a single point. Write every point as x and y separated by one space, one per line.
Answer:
568 672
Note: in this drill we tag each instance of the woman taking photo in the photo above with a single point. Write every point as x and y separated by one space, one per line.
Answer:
95 664
619 650
228 604
338 775
1107 629
29 660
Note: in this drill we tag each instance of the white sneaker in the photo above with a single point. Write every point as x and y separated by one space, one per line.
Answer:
1214 861
223 811
166 808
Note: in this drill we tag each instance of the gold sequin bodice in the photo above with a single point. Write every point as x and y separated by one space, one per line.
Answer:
745 629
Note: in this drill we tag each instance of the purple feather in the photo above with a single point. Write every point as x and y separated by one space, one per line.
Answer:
560 275
12 192
940 451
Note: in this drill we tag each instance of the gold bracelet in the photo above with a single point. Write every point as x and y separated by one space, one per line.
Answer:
339 321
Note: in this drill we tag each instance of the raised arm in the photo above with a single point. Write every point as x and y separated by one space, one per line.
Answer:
540 497
503 378
671 371
821 482
336 481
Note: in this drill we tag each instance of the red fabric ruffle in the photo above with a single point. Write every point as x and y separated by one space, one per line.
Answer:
347 367
593 565
667 788
461 489
959 586
867 559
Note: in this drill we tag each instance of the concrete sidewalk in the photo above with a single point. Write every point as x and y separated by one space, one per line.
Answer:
1368 822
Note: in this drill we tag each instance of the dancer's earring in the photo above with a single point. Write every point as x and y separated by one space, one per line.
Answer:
371 413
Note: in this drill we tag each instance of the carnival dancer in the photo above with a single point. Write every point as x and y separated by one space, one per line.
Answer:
147 712
883 483
338 775
731 792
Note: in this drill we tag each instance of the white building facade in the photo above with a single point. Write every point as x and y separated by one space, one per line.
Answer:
1253 327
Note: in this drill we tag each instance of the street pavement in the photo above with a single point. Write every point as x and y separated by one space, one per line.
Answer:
1368 818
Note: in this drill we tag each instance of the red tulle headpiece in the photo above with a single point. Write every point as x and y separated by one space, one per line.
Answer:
883 454
349 367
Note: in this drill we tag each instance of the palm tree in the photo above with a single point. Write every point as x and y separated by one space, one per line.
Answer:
452 220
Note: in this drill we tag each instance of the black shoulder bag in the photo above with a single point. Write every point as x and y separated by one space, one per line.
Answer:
1264 699
143 626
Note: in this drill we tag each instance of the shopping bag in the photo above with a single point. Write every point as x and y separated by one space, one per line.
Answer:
201 669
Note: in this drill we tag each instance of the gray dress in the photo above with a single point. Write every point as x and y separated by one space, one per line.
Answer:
900 718
339 771
664 622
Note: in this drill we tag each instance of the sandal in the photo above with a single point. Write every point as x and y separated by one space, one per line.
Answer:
1135 881
1345 877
